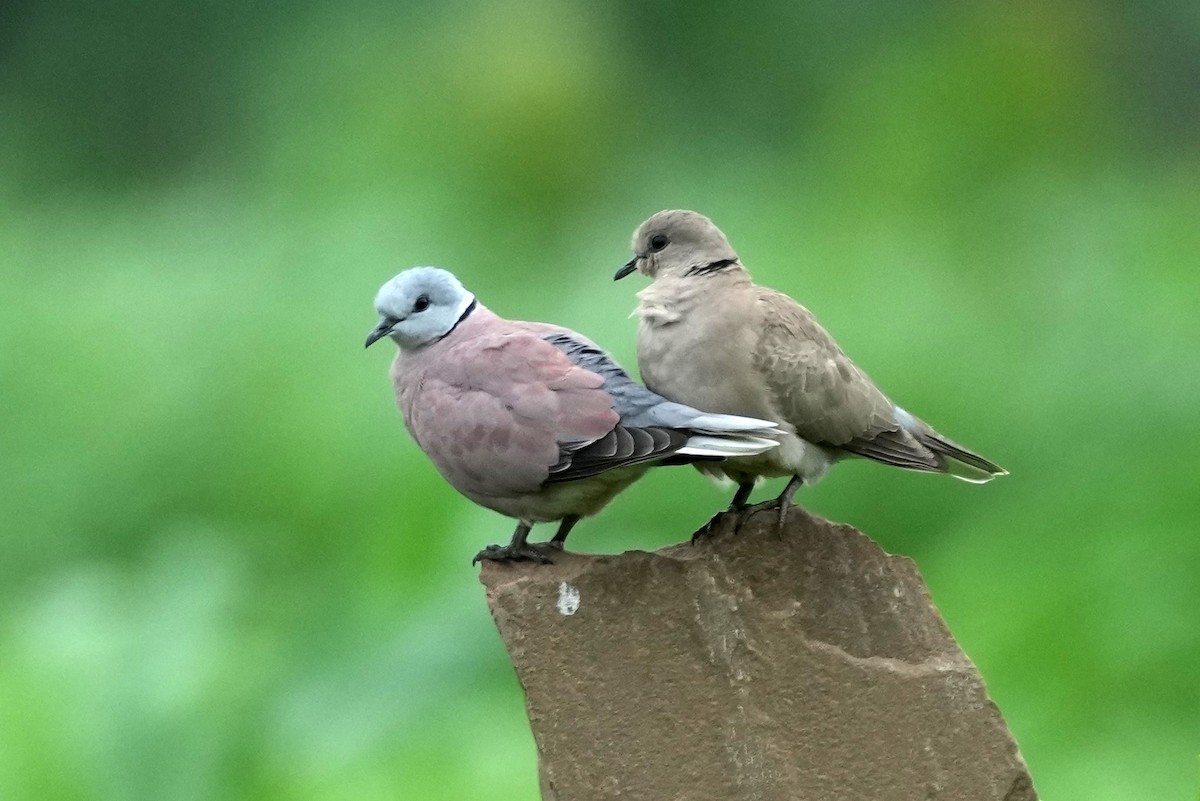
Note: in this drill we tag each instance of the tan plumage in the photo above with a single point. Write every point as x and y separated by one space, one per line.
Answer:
708 336
825 395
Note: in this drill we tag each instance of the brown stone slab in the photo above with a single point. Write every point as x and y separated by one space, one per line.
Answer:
753 666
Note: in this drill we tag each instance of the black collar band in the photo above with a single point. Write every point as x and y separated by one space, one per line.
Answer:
711 267
463 316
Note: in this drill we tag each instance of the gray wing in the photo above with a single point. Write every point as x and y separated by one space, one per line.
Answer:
642 434
638 407
650 426
825 395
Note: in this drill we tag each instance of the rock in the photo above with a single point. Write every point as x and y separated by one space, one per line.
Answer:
811 665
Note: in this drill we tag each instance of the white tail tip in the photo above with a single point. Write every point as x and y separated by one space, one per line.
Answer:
703 445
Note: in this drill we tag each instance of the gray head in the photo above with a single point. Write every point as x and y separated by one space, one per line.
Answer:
678 243
420 306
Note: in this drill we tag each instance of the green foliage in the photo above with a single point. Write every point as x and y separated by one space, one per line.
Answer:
225 572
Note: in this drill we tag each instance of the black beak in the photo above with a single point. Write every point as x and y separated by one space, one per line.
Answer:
627 268
380 331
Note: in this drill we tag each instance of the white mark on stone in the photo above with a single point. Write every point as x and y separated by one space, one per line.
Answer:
568 599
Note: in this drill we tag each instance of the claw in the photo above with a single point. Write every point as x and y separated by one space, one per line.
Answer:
740 517
737 510
720 521
785 502
709 529
779 505
519 550
781 521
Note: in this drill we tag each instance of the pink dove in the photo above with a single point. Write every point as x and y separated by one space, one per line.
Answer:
532 420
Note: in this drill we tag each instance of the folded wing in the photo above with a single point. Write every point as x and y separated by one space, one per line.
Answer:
825 395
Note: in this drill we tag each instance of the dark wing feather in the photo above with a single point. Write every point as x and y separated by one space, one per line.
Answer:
945 447
619 448
897 448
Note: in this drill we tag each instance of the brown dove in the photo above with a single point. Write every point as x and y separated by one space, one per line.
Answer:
710 337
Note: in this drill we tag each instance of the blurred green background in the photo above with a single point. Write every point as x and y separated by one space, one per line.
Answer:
227 573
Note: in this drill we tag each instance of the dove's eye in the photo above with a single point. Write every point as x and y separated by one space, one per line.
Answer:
658 241
422 304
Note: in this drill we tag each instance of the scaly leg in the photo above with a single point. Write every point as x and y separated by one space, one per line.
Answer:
785 501
564 528
742 495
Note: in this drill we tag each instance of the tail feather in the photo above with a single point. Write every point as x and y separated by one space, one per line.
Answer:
726 423
704 445
717 436
960 462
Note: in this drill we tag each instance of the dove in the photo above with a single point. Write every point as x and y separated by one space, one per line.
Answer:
708 336
532 420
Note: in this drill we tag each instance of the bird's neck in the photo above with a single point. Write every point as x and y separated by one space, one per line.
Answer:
475 318
671 297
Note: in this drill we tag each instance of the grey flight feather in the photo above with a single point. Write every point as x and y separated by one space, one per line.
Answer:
621 447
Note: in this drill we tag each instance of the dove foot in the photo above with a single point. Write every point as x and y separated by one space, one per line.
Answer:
779 505
717 524
519 550
737 513
522 553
